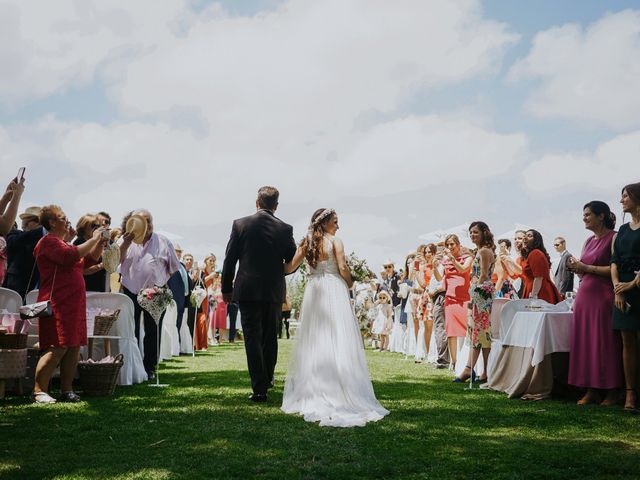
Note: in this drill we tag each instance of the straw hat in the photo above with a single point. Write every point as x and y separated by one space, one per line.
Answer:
137 225
31 212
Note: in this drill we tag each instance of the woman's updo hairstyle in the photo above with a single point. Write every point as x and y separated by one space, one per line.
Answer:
313 243
600 208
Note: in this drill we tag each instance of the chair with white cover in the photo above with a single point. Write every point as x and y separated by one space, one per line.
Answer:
10 300
169 340
186 340
32 297
133 369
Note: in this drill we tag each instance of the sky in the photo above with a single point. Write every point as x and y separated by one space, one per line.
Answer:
406 117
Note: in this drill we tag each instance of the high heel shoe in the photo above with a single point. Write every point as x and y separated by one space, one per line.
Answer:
463 378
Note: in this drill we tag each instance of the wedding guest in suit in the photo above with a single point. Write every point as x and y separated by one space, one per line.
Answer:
22 273
192 275
595 362
536 270
563 277
625 265
179 285
95 276
61 335
457 267
261 244
144 265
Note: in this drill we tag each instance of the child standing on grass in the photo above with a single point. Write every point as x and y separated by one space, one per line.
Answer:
384 321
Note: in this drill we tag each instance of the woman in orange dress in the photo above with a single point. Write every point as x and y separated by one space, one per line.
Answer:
536 270
457 270
207 277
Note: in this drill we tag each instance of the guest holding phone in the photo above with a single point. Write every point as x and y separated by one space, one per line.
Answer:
95 276
625 265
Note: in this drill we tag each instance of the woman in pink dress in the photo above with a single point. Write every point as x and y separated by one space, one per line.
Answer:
457 269
219 320
61 281
596 359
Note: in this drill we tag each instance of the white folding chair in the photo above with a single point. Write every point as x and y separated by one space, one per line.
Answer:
10 300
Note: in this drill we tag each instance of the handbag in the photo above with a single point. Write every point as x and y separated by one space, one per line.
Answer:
38 309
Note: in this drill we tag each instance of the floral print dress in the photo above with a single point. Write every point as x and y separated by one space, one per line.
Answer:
479 320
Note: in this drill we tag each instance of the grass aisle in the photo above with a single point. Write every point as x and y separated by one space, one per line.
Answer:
202 426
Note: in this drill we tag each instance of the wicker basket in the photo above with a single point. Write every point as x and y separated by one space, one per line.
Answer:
99 379
103 323
13 363
13 340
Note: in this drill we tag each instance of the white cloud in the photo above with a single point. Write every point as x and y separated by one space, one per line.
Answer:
609 167
47 47
590 75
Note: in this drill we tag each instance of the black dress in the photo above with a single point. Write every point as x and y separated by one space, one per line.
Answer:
96 282
626 256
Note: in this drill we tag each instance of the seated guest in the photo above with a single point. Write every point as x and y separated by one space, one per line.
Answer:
596 359
536 270
61 281
95 276
22 273
147 264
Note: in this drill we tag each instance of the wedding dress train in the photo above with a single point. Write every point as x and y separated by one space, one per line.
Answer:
328 379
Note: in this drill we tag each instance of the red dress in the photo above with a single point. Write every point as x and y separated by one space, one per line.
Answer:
456 298
537 265
68 325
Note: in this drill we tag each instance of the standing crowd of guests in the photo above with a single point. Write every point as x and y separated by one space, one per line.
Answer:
447 290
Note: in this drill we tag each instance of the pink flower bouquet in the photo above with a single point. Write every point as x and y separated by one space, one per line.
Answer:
155 300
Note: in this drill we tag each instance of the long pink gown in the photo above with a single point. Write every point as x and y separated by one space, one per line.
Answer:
595 358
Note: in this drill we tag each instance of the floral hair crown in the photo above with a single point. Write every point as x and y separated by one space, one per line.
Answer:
322 217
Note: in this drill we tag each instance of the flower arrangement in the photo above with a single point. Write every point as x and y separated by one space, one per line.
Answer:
360 271
155 300
364 318
482 295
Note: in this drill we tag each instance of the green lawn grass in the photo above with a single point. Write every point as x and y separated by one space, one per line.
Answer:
202 426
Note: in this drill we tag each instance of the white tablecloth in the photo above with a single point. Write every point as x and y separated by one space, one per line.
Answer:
545 331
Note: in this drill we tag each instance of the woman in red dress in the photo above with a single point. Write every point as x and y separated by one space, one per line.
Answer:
536 270
61 280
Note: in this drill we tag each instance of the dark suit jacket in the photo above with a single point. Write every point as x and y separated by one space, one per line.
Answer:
563 278
176 285
20 261
262 244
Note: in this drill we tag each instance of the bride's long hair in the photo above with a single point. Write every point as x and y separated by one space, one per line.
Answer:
313 243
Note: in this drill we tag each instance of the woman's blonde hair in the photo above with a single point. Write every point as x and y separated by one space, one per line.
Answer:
313 243
211 255
85 224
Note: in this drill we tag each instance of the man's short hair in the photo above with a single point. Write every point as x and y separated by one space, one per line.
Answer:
506 241
268 198
561 239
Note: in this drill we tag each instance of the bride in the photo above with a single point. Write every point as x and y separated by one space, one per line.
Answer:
328 380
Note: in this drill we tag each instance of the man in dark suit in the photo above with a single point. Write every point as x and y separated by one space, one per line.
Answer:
180 288
563 277
262 244
22 274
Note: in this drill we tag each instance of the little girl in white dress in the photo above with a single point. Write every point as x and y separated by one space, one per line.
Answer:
383 323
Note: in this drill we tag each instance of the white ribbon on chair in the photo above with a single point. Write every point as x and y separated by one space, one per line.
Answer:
169 341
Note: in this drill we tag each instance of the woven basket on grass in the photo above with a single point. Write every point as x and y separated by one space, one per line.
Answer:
13 340
13 363
99 379
102 323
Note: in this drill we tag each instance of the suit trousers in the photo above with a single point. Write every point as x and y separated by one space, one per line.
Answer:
259 322
151 331
232 312
442 344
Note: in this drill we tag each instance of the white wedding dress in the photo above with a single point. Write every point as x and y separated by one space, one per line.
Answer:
328 379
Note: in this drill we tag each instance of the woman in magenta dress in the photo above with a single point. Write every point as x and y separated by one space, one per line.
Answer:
457 270
61 281
596 359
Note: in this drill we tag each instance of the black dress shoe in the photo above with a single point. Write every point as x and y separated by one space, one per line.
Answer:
258 397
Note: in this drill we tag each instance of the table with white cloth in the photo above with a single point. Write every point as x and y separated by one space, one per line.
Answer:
533 353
